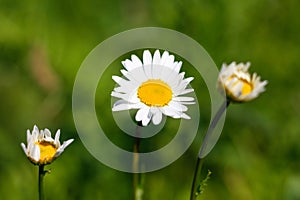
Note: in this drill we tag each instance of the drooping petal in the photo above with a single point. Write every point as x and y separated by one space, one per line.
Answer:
142 113
146 120
157 117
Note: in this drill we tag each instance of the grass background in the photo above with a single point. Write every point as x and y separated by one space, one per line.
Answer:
42 44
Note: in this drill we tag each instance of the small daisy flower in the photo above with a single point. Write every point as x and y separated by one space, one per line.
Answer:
153 86
239 85
41 148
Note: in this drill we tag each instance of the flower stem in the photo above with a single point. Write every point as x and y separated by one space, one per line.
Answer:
194 193
198 168
137 180
40 184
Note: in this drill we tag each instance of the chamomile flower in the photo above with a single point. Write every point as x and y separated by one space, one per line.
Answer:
154 86
41 148
239 85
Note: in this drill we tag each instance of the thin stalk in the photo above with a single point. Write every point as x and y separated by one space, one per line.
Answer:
137 183
194 193
40 182
198 168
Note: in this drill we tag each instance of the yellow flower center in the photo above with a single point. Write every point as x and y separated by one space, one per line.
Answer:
47 152
155 92
247 86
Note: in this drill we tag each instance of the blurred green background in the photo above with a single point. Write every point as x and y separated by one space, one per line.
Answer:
42 44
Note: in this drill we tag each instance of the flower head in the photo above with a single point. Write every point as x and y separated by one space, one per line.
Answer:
41 148
154 87
239 85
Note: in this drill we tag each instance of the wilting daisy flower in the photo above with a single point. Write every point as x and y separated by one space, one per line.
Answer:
154 87
41 148
239 85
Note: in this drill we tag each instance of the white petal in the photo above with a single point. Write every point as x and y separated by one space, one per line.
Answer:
183 84
118 79
56 139
35 153
169 111
147 64
156 71
178 67
128 65
134 98
156 57
157 117
175 81
123 89
185 116
24 148
139 74
129 76
147 58
41 135
146 120
186 91
187 103
125 105
136 61
35 133
67 143
154 109
156 67
178 106
183 99
142 113
121 105
35 128
29 138
164 57
119 95
169 62
128 85
47 132
62 147
127 97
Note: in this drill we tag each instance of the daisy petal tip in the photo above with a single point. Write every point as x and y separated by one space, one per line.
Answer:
24 148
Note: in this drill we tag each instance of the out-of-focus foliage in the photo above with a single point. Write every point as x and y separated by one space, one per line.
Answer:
42 44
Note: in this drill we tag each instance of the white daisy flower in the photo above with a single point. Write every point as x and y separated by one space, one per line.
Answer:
41 148
153 86
238 83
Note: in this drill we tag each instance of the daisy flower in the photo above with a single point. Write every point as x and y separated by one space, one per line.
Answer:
41 148
153 86
239 85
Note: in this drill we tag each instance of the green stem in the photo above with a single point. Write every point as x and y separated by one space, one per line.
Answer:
197 173
198 168
137 182
40 184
